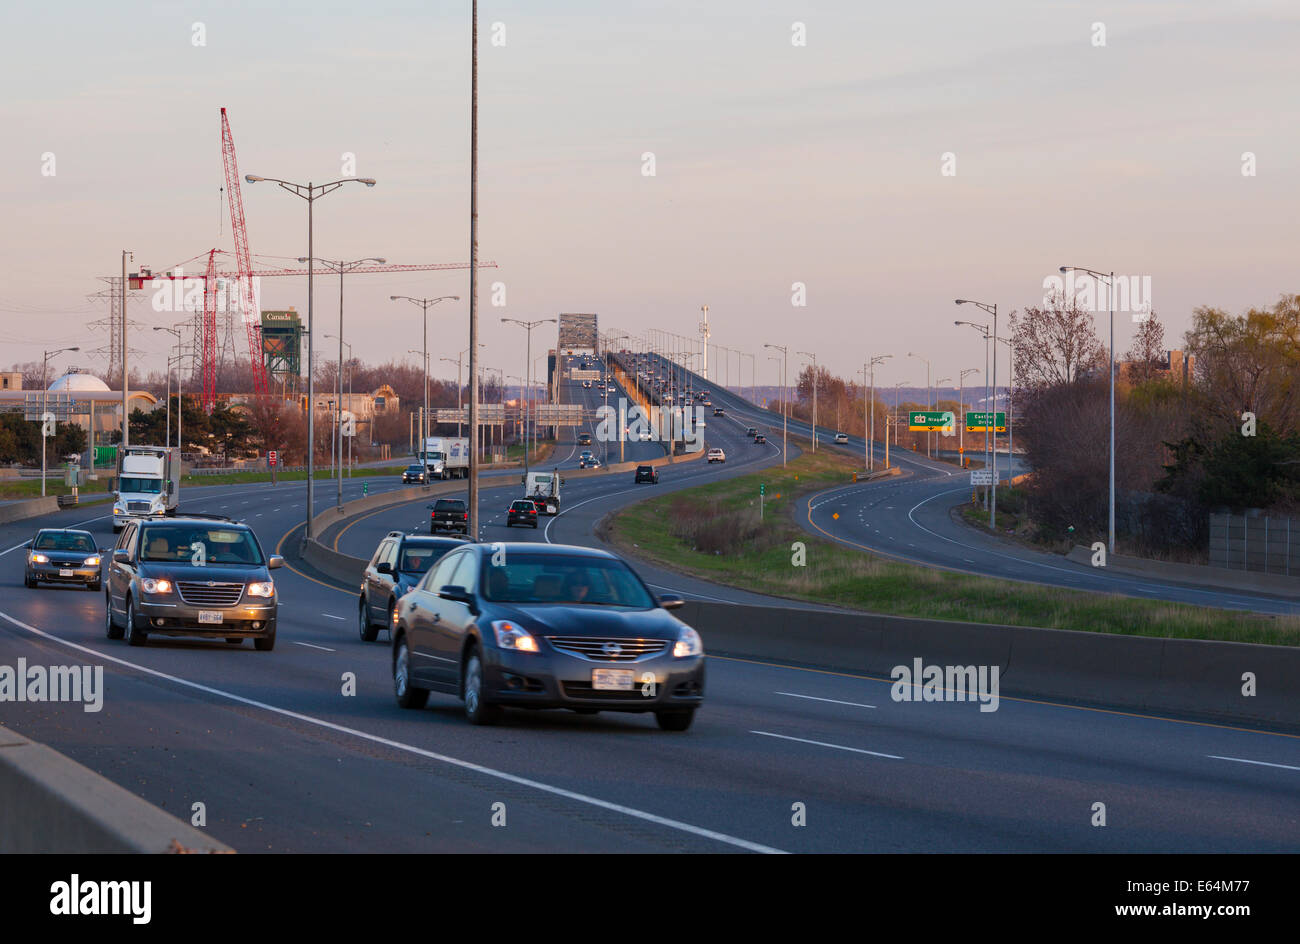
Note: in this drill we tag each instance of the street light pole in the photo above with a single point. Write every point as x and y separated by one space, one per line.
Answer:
991 423
310 192
1110 305
528 366
814 388
961 396
45 386
929 395
341 266
785 422
424 304
871 442
177 335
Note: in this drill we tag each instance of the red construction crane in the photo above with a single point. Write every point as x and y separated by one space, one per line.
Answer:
243 266
212 276
243 276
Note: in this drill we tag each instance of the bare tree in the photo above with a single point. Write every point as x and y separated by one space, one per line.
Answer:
1146 358
1056 344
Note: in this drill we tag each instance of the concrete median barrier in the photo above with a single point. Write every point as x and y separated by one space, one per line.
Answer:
51 804
1191 677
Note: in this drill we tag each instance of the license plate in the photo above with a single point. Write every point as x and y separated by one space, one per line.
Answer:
211 616
65 572
615 680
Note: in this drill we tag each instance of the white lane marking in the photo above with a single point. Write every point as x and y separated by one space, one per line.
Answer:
310 646
833 701
332 616
838 747
1258 763
412 749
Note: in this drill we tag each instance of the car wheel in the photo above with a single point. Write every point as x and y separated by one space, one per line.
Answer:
675 720
111 629
264 643
96 584
28 582
368 631
407 695
477 710
134 635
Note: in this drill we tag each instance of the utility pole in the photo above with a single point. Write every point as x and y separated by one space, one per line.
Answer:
814 389
126 417
473 277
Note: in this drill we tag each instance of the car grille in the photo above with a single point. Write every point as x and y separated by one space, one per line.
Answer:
594 647
204 593
137 506
584 690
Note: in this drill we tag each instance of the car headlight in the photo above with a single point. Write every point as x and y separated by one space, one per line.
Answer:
151 585
688 643
116 510
262 588
513 636
91 562
40 559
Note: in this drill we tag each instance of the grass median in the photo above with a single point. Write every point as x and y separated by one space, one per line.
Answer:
715 532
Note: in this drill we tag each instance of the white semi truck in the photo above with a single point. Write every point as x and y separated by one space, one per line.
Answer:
445 458
543 490
148 483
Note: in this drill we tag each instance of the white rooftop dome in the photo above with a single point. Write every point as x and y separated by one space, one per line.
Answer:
74 380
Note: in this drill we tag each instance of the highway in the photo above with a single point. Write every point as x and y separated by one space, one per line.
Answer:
285 761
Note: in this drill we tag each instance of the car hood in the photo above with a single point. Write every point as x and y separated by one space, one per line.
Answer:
218 573
560 619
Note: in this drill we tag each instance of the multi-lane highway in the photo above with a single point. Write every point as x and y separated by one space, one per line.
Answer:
288 756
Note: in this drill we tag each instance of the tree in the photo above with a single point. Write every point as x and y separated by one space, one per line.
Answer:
1056 344
1146 358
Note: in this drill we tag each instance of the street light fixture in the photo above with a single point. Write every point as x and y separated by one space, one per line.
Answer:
311 193
1109 279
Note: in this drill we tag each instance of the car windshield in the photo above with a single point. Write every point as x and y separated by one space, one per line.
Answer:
414 468
139 486
416 558
522 505
449 505
62 541
551 578
198 545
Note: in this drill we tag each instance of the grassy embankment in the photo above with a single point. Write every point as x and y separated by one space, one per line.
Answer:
714 532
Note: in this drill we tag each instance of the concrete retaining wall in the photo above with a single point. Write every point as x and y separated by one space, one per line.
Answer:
1196 677
50 803
32 508
1194 574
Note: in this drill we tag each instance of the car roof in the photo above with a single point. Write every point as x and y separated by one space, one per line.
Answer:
41 531
538 549
191 520
431 540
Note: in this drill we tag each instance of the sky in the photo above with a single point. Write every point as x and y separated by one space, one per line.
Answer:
827 164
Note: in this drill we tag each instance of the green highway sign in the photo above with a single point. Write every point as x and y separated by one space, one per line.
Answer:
762 489
922 421
979 422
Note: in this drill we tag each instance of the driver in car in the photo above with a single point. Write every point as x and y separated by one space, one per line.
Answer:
576 588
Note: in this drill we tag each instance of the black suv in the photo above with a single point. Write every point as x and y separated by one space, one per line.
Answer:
521 511
647 473
751 431
61 555
449 514
194 575
414 474
396 566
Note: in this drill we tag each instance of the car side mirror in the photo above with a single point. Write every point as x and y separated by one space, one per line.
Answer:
121 556
274 562
455 593
384 567
670 601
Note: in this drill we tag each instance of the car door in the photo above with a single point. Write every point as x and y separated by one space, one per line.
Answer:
376 595
454 619
427 663
120 574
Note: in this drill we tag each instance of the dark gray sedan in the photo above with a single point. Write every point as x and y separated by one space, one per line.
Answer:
545 626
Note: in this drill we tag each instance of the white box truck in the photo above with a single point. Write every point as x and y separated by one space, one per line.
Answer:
148 483
445 458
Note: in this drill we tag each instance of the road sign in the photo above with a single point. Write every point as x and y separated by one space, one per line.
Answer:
923 421
979 422
762 489
981 477
272 457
